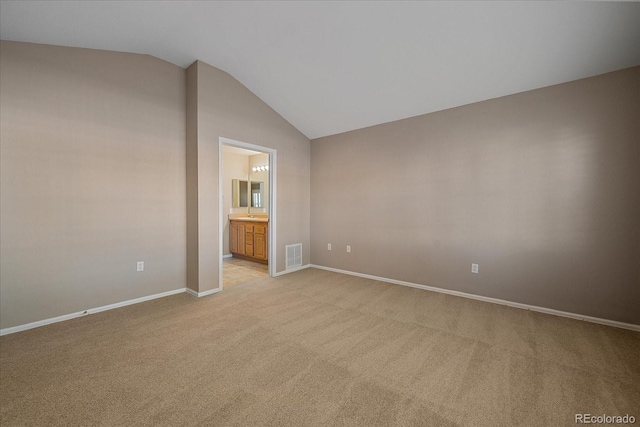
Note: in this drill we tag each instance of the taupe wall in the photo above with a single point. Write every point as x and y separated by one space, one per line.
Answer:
92 149
541 189
192 178
225 108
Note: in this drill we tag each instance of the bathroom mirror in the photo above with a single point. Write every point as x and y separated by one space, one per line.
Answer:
240 194
257 199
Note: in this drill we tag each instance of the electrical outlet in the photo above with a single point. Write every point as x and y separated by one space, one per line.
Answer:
328 246
140 266
474 268
348 248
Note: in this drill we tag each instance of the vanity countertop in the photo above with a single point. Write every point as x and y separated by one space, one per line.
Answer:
246 218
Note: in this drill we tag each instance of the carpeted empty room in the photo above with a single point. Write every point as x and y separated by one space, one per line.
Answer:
317 348
319 213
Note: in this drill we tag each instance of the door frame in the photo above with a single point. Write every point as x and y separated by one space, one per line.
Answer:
272 200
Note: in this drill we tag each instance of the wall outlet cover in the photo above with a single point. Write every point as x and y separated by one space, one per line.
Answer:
474 268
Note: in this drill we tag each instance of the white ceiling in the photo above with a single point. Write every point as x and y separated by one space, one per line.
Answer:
330 67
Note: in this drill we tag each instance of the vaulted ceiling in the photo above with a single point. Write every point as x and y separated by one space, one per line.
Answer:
331 67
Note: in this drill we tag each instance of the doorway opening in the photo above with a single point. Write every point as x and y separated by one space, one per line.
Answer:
247 187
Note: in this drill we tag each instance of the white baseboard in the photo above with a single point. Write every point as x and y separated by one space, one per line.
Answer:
597 320
20 328
44 322
291 270
202 294
227 256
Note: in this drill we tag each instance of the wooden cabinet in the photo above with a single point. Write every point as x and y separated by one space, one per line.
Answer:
260 237
233 237
249 240
260 246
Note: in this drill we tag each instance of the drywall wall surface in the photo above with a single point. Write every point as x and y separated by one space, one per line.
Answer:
227 109
192 176
541 189
92 152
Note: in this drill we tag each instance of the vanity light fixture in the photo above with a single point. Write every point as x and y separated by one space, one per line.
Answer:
260 168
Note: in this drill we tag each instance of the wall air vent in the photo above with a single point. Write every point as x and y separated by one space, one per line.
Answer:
294 256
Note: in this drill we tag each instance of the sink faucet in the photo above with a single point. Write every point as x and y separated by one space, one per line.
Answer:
249 214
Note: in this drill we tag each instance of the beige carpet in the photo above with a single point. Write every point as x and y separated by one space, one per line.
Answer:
316 348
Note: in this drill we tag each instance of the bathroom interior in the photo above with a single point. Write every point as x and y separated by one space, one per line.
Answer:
245 188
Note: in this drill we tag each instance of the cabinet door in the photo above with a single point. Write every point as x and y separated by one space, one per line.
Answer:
249 243
233 238
259 246
242 231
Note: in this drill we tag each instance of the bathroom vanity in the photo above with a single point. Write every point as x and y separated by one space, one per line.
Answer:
248 238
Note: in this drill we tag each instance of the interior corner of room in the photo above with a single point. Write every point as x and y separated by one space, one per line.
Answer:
539 189
370 213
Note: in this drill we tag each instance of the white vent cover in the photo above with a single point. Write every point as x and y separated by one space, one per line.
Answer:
294 256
